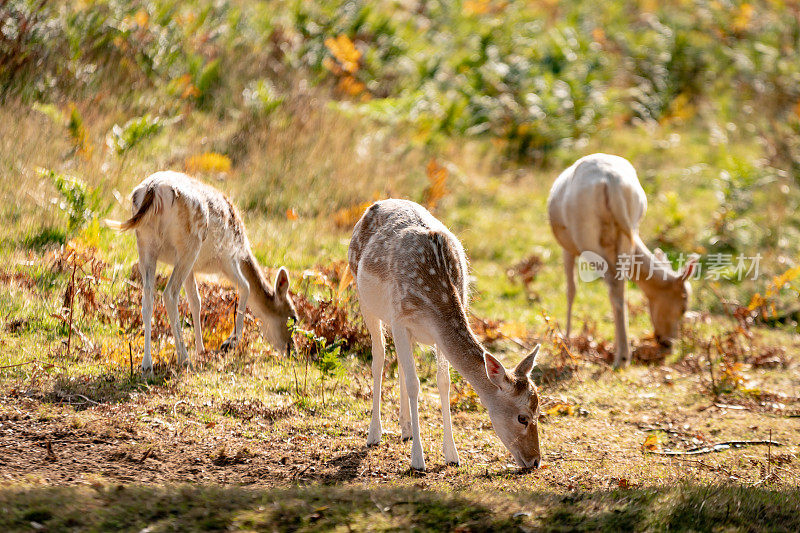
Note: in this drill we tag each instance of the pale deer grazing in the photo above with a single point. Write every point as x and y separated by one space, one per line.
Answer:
188 224
411 276
596 206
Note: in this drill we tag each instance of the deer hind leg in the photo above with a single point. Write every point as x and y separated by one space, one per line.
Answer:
405 413
236 276
616 293
405 356
569 270
378 357
192 294
172 294
443 381
147 268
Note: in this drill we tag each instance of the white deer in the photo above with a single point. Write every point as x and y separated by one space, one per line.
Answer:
411 275
596 206
191 225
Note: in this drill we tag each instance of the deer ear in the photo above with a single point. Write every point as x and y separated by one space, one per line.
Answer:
282 282
495 370
689 268
525 366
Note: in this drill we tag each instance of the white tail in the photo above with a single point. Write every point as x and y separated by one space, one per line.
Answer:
411 275
596 206
193 226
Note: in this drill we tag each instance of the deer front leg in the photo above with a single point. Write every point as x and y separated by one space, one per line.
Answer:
616 293
569 270
405 356
443 381
235 273
378 357
405 413
192 294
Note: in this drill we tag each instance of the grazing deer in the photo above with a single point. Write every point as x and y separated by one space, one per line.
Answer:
411 275
596 206
194 227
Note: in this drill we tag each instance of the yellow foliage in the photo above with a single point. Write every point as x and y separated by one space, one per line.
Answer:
350 86
345 52
756 301
347 217
141 18
78 133
743 18
649 6
778 282
561 409
437 176
128 353
513 330
347 278
190 91
476 7
207 162
680 108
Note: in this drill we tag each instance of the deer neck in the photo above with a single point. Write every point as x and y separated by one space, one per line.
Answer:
262 295
650 274
460 346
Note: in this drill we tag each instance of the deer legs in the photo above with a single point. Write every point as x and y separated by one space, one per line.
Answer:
235 275
616 293
402 342
147 268
378 357
190 286
443 381
569 270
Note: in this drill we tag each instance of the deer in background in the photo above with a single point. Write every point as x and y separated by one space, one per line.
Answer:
411 276
596 205
194 227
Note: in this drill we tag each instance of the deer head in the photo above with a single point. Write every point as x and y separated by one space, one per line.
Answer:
277 330
669 303
513 407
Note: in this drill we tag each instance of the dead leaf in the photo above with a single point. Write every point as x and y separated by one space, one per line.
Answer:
651 443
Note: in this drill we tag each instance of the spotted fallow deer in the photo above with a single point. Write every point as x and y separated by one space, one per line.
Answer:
411 276
596 206
191 225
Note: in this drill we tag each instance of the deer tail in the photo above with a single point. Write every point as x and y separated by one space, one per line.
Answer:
136 219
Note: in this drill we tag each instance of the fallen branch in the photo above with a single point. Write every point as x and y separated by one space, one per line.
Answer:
44 365
18 364
729 406
85 398
713 468
719 447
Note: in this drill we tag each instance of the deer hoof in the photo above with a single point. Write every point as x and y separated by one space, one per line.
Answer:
228 345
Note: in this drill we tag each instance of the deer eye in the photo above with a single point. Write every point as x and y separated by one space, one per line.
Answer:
522 419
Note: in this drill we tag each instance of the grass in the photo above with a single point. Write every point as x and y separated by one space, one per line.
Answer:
185 508
244 440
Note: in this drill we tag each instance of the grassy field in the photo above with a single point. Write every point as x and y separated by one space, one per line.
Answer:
257 101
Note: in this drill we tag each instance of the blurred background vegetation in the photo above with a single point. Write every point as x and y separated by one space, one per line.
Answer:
306 111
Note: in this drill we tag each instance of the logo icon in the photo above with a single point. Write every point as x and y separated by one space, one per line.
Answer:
591 266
